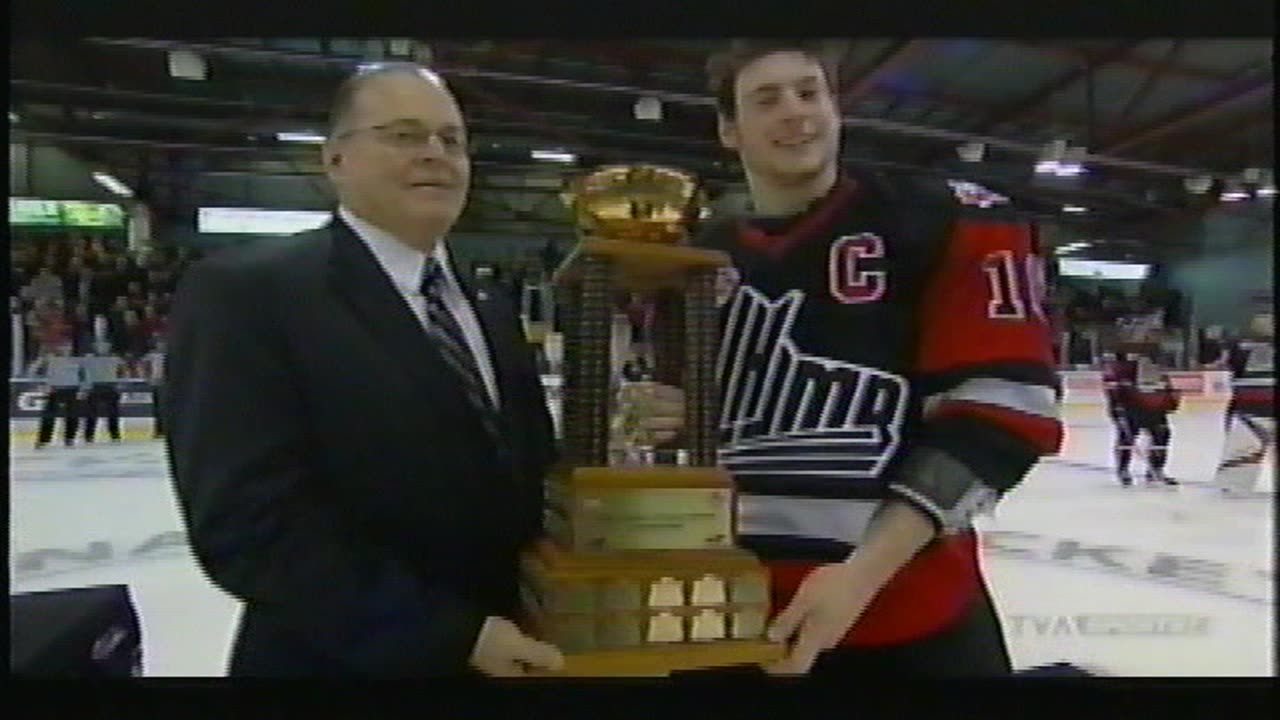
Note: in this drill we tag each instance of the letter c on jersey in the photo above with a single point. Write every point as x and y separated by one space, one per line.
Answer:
850 285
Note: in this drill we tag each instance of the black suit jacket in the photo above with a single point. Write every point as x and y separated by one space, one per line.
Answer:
331 472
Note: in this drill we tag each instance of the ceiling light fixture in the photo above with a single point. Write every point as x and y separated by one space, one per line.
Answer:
300 137
1074 209
554 156
972 152
1072 163
1198 185
648 108
111 183
1072 247
1233 192
1051 156
187 65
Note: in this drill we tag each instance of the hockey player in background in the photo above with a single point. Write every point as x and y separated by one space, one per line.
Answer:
1119 373
886 374
1140 398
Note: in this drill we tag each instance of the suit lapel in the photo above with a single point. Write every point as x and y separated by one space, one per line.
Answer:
361 282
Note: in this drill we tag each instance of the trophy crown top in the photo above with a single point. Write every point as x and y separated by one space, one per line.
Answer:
640 202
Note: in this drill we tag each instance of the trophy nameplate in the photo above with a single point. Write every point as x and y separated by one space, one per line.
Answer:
639 573
610 517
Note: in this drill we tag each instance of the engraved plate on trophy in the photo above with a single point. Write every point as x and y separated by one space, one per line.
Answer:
619 630
749 589
708 590
656 519
665 628
707 625
747 624
621 595
666 592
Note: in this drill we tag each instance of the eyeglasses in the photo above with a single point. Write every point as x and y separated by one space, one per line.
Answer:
409 136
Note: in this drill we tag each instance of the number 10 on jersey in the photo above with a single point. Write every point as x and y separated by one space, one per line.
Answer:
1017 286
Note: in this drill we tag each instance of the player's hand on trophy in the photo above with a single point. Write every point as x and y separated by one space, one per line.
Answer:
649 413
827 604
502 650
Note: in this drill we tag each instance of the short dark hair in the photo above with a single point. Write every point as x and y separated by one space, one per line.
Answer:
344 99
723 66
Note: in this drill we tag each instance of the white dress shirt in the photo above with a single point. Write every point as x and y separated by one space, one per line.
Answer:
403 265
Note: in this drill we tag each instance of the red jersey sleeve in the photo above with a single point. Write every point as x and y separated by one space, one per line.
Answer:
986 352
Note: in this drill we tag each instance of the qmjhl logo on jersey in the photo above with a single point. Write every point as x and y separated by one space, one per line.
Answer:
786 412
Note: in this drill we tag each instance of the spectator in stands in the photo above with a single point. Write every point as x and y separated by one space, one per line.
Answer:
98 252
122 273
1113 307
52 328
136 296
100 290
82 339
117 329
77 282
46 287
136 341
154 326
160 278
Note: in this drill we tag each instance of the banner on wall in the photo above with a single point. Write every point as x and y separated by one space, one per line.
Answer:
27 398
38 213
258 221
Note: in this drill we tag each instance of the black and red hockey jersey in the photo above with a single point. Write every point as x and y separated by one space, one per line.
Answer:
1129 392
1155 396
1118 377
884 320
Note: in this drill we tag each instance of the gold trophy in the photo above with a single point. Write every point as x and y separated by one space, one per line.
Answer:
639 575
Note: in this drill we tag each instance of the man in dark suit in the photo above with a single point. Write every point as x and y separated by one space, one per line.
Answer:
357 432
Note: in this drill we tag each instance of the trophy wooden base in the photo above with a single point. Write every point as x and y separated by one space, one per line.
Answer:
663 661
648 613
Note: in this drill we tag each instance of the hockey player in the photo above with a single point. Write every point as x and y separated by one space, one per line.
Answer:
1119 375
886 374
1147 404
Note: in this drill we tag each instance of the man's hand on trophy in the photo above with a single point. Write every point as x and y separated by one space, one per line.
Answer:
651 413
502 650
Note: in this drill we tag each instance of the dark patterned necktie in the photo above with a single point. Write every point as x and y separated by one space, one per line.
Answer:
444 328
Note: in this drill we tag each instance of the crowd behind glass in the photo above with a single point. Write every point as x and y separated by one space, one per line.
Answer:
76 289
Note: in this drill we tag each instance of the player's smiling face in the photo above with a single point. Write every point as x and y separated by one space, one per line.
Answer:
787 125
